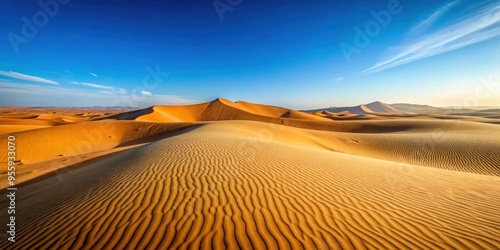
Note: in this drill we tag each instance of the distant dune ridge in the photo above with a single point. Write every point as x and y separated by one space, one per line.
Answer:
229 175
370 108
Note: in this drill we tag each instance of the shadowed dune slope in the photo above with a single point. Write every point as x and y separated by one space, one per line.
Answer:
200 190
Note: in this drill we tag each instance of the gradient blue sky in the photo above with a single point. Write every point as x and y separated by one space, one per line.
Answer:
281 52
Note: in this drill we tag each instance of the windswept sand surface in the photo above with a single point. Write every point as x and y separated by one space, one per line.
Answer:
225 175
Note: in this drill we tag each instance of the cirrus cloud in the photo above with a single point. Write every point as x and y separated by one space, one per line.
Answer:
483 24
93 85
25 77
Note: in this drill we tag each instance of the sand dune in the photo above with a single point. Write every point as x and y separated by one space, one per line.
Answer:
302 116
222 109
15 119
260 109
229 175
379 107
370 108
198 190
7 129
219 109
38 145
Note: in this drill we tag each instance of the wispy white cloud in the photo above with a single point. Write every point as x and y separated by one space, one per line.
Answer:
93 85
427 22
25 77
146 93
94 75
116 97
338 79
107 90
483 24
144 101
32 89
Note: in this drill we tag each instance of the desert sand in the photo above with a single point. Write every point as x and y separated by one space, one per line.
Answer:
239 175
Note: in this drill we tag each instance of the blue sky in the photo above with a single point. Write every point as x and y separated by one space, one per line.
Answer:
298 54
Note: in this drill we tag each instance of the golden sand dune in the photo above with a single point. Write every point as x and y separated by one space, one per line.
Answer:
374 108
472 151
219 109
260 109
229 175
38 145
28 121
222 109
467 148
201 190
379 107
6 129
15 119
12 125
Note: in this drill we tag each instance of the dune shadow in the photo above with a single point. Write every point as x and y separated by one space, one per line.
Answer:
162 135
130 115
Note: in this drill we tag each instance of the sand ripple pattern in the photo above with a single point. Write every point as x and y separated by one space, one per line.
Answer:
201 191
